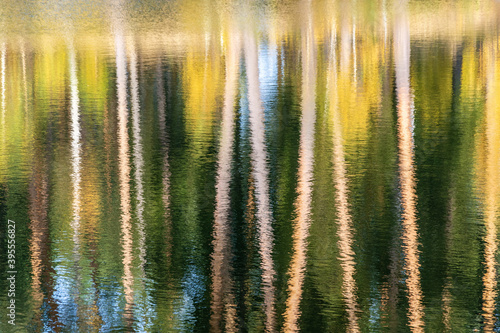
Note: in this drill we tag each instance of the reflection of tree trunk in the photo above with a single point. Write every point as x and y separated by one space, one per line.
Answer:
344 218
390 289
249 238
446 294
42 271
222 288
491 193
76 174
166 166
124 174
303 202
260 175
138 158
75 149
25 82
39 245
407 171
345 38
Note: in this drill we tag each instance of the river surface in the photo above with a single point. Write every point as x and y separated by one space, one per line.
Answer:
249 166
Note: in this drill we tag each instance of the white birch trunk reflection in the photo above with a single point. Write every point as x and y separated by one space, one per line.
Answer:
124 171
490 291
407 170
304 188
223 302
76 171
138 158
260 175
76 176
344 218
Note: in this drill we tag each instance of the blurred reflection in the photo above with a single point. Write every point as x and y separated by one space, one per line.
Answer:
138 159
491 190
25 78
448 286
346 37
344 218
3 56
41 266
124 172
223 302
304 188
186 135
407 169
138 164
166 165
76 174
260 175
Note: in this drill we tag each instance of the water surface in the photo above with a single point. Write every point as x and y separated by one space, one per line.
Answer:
203 166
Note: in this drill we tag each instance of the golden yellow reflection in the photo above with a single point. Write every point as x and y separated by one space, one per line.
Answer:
306 160
203 72
491 179
407 171
223 301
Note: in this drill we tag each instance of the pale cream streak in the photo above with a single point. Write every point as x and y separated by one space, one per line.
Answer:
344 219
345 45
491 194
138 158
166 166
354 55
407 172
384 19
303 202
222 284
260 174
76 174
124 173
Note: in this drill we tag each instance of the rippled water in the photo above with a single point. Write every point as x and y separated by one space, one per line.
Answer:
220 166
